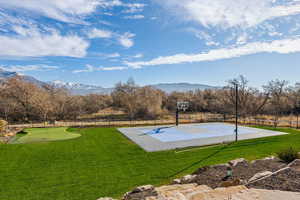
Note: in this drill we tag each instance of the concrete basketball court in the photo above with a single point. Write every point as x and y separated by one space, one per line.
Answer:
158 138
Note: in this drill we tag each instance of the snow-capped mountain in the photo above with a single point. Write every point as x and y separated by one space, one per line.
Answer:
82 89
182 87
78 88
73 85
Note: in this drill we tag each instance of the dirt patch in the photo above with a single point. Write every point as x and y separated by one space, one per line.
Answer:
215 175
286 179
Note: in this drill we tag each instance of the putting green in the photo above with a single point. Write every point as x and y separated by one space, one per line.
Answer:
44 135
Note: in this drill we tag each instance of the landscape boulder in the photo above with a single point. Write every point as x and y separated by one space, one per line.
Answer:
295 165
237 162
140 193
260 175
231 183
176 181
188 179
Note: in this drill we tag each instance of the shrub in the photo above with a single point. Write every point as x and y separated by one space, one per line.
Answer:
22 132
288 155
2 126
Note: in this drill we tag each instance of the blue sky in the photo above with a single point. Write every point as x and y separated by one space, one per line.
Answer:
102 42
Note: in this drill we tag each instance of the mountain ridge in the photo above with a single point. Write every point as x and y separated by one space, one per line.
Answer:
84 89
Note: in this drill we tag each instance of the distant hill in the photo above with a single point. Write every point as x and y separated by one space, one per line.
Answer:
83 89
182 87
4 75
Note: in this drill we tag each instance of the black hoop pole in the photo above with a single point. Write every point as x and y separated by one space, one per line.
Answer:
177 115
236 111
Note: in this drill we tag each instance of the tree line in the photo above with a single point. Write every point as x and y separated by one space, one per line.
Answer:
21 101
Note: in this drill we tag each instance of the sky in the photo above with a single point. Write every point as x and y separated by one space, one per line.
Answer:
102 42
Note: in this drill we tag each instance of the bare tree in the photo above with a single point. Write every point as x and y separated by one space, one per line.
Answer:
21 92
277 91
294 101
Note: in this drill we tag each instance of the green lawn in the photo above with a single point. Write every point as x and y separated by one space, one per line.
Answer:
102 162
44 135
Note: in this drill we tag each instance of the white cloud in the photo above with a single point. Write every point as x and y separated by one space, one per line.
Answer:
242 39
91 68
278 46
6 19
99 33
33 43
63 10
134 17
88 68
70 11
209 41
230 13
113 55
139 55
295 28
212 43
113 68
126 39
274 33
23 68
134 7
106 55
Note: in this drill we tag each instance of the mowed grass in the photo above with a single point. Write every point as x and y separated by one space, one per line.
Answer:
102 162
44 135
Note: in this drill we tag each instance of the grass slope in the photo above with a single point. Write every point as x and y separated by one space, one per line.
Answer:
104 163
44 135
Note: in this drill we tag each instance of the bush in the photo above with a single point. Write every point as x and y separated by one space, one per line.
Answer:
288 155
22 132
2 126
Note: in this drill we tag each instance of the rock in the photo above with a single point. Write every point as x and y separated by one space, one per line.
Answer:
179 192
143 188
176 181
221 165
295 165
231 183
237 162
140 193
202 192
270 158
188 179
260 175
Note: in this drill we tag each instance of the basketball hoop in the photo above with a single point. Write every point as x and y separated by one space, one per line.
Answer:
182 105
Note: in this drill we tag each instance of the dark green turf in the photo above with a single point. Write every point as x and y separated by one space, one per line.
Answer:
102 162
